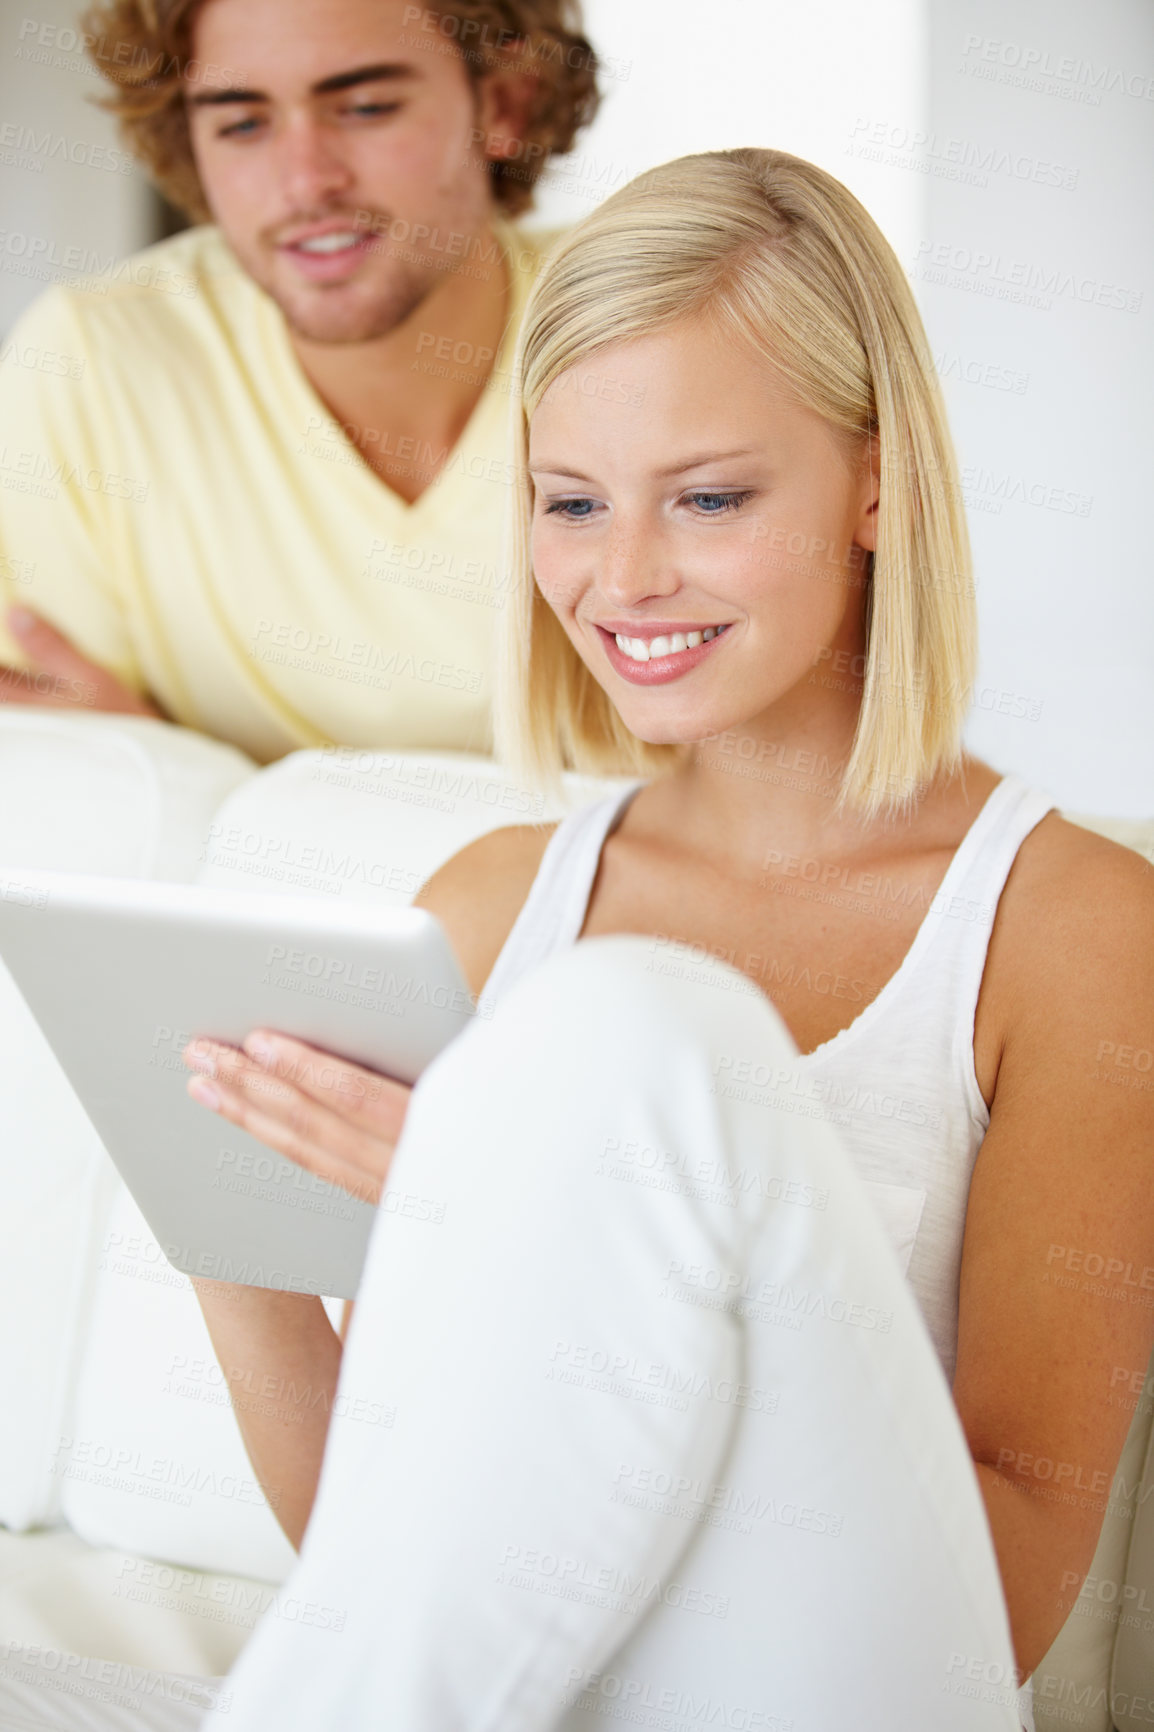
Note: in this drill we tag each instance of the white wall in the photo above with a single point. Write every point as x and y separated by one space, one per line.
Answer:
685 76
64 182
1066 596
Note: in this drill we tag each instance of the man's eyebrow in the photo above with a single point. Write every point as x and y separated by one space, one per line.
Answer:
365 75
386 69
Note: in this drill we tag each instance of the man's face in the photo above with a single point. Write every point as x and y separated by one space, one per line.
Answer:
343 129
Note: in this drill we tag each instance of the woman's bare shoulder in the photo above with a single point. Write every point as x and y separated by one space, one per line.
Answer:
1077 907
1070 860
478 894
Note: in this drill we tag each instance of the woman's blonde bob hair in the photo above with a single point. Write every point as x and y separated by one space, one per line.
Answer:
779 255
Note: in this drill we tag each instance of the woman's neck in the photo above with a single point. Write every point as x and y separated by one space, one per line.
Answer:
748 813
773 782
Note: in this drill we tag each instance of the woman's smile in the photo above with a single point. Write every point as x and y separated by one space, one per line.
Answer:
653 657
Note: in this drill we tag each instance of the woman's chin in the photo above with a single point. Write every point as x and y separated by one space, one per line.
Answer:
668 736
680 731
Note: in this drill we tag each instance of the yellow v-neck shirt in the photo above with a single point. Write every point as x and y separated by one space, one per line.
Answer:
177 500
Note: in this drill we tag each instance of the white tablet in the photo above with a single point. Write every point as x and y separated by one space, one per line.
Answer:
122 973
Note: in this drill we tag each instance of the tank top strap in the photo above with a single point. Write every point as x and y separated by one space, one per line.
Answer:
554 910
962 912
948 982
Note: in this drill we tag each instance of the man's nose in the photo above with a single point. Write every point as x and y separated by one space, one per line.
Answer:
313 170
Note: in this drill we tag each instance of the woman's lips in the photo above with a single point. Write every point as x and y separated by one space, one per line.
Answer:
661 669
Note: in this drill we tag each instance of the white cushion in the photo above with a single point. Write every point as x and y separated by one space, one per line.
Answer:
60 1595
1071 1681
1133 1672
1136 833
154 1462
370 826
101 794
118 795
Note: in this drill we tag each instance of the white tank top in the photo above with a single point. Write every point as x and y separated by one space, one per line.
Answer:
899 1082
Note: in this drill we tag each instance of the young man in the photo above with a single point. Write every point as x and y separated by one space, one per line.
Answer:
265 497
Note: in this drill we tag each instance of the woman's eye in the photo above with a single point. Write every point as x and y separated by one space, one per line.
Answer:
713 504
575 509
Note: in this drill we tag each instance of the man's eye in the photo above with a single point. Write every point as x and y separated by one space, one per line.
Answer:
361 110
577 509
239 128
373 109
713 504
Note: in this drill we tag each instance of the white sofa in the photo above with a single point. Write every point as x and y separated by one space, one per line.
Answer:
131 1525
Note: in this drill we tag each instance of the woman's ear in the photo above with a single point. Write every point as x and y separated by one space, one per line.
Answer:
866 532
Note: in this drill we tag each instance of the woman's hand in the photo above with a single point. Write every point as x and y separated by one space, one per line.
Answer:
329 1116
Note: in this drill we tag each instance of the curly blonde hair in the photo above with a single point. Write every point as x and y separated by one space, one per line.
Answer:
144 49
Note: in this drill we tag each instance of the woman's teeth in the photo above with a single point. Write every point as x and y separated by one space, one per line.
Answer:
640 649
335 243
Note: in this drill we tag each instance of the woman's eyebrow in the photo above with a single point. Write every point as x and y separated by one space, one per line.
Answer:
547 468
557 469
704 458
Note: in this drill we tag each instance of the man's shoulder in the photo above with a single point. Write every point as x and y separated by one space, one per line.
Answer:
196 256
540 239
176 283
528 246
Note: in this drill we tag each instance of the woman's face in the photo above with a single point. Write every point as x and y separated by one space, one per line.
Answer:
679 489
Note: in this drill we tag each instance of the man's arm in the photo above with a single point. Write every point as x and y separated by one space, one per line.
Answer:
61 520
58 677
1060 1225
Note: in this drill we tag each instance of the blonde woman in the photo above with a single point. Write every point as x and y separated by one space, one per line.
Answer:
786 1096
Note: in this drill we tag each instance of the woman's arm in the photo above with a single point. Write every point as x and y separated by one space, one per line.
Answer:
279 1353
281 1359
1059 1244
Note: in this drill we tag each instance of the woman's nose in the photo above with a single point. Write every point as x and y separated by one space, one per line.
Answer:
635 563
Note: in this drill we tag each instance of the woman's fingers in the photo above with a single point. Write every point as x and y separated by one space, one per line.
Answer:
363 1097
296 1124
362 1178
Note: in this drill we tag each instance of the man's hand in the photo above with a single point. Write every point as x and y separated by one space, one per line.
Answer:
61 678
